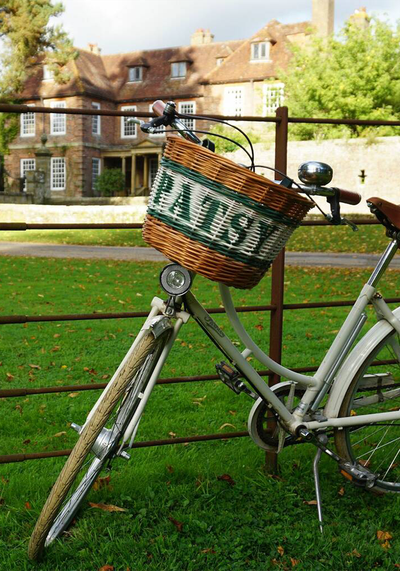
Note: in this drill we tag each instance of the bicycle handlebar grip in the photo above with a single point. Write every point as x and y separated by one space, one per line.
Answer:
348 196
158 107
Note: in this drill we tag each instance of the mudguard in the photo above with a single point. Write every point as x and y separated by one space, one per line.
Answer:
353 363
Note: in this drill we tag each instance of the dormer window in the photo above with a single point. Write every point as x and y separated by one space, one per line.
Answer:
260 51
48 75
136 73
178 69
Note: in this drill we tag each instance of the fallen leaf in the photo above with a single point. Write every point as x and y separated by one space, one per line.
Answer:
107 507
226 478
176 523
259 327
73 395
341 492
28 506
355 553
59 434
294 562
107 568
170 469
209 550
9 376
225 425
34 366
55 349
310 502
281 551
102 483
27 441
200 399
233 412
173 434
383 535
55 336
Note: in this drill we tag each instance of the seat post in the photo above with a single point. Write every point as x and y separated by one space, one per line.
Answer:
383 263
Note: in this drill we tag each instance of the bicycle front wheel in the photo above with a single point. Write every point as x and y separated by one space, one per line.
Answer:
97 444
375 389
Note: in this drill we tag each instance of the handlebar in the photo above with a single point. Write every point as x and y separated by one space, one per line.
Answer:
167 116
346 196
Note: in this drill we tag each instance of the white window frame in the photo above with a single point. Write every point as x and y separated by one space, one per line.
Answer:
160 131
124 123
134 71
260 51
183 108
95 161
96 119
48 75
26 120
58 117
24 163
178 69
151 179
273 97
55 172
231 99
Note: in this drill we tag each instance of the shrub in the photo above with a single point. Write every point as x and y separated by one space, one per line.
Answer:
110 181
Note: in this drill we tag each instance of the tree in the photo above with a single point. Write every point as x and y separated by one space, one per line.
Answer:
110 182
28 38
354 75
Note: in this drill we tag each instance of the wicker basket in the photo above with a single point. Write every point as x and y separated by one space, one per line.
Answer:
217 218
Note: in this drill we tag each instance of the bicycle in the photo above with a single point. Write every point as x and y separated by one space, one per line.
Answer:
353 396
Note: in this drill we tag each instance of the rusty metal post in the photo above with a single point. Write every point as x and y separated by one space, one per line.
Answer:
278 269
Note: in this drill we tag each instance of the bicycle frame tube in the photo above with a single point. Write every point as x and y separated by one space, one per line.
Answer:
259 385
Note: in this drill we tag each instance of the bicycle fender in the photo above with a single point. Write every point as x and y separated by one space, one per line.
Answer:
353 362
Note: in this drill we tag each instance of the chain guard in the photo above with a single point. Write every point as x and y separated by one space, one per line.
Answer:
263 425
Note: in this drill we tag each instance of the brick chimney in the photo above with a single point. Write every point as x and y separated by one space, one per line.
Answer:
323 17
94 49
201 37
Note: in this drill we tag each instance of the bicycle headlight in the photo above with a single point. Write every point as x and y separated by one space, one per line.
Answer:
175 279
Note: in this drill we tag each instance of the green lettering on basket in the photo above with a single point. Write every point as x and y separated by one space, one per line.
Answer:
181 206
165 185
265 231
240 223
213 207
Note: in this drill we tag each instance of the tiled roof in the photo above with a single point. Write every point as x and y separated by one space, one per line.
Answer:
157 82
238 67
106 76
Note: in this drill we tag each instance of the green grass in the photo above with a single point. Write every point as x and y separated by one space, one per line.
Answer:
368 239
259 523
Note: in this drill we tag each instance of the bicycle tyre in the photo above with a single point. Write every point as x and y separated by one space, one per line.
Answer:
149 344
375 447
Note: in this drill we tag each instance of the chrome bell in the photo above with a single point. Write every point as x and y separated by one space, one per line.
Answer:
316 173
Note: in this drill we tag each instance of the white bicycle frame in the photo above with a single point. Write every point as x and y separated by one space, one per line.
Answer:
330 374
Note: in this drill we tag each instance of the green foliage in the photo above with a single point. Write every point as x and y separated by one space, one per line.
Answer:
27 37
110 181
355 75
223 146
9 124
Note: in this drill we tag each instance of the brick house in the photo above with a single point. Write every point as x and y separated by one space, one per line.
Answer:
229 78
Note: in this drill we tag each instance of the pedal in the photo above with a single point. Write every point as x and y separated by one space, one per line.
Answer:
230 377
357 474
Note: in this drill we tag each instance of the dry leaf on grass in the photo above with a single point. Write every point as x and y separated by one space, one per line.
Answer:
227 478
225 425
177 524
107 568
102 483
281 551
107 507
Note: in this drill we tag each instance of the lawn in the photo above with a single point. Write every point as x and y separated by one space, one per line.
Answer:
182 512
368 238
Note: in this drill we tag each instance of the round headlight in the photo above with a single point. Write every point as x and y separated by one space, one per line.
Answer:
175 279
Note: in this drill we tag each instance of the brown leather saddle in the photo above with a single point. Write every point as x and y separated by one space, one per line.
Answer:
386 212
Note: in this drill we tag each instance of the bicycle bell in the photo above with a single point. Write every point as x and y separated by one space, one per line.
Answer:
315 173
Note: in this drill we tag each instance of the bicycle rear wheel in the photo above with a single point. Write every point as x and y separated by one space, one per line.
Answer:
96 445
375 389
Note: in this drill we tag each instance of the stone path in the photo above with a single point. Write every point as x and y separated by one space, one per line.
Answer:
149 254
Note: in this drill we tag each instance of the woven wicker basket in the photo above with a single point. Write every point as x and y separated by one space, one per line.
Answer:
217 218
